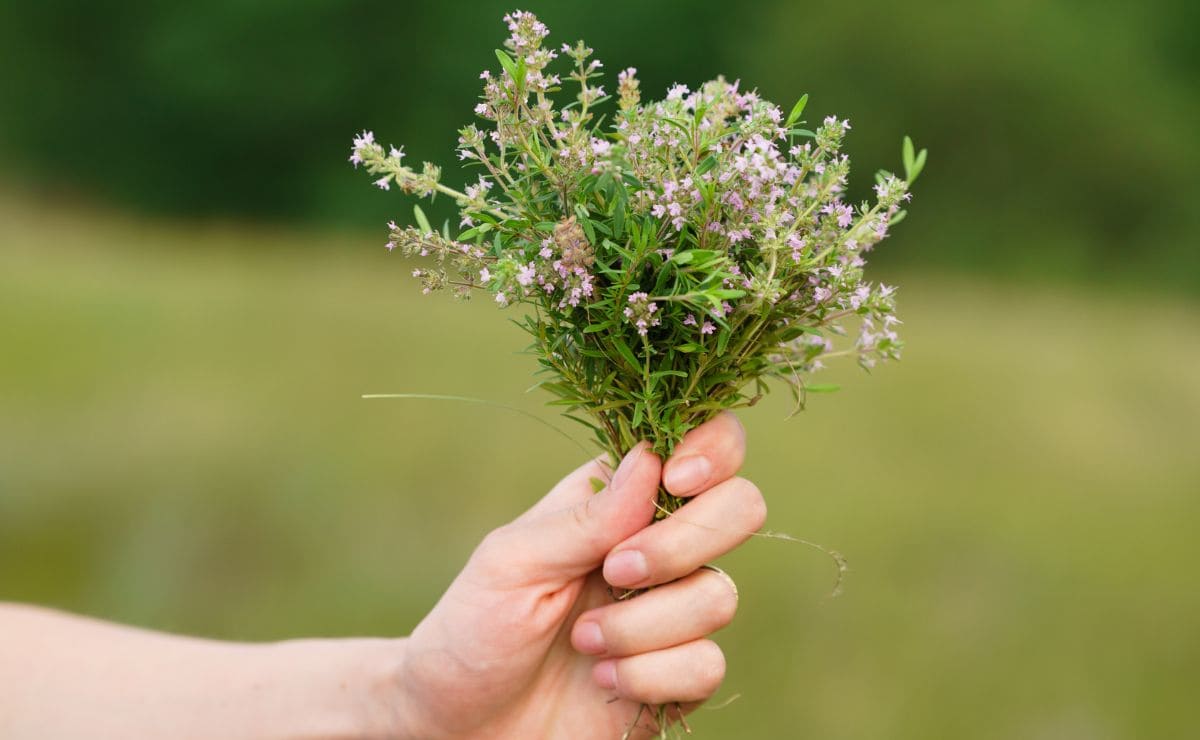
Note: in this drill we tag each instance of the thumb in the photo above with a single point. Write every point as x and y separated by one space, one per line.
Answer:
572 541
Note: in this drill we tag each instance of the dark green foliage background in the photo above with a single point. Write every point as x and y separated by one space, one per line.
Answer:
1062 134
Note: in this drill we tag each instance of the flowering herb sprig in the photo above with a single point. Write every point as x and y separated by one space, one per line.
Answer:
674 255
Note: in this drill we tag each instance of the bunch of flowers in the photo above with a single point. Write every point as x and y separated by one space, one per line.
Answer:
673 255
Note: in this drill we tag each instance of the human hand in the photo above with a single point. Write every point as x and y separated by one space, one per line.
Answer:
527 642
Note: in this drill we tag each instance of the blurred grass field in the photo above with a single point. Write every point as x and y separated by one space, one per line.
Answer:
183 446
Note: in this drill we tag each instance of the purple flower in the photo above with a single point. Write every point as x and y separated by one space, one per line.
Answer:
641 312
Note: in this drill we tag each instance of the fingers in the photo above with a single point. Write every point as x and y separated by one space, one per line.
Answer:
710 453
670 615
701 530
684 673
569 542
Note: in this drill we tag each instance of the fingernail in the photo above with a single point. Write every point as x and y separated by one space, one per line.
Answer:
589 639
605 674
626 568
686 474
625 469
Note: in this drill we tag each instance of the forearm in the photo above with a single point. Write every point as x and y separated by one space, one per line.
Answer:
66 676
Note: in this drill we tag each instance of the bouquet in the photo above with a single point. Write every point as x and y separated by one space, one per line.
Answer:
672 256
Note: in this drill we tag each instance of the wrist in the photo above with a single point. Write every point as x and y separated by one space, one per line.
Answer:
345 687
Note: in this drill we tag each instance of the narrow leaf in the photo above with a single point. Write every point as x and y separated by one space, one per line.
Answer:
797 111
822 388
421 220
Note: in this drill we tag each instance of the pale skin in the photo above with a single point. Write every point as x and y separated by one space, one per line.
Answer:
527 642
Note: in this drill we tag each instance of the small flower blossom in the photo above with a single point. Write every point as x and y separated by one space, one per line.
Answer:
641 312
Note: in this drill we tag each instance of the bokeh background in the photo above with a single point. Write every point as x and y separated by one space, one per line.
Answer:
194 294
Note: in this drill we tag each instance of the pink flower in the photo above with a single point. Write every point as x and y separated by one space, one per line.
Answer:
845 214
366 138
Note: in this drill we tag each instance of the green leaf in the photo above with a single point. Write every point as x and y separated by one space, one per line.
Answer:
673 373
918 165
421 220
474 231
618 217
797 111
722 342
507 62
912 164
822 388
626 352
707 164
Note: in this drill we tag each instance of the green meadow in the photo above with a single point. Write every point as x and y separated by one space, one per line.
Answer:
183 446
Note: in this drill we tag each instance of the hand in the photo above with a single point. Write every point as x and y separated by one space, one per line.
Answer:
528 643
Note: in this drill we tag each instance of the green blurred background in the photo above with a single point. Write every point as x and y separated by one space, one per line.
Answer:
193 295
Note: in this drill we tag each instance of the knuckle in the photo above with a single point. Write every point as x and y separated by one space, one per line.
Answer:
584 517
752 503
487 561
722 598
493 542
734 424
711 666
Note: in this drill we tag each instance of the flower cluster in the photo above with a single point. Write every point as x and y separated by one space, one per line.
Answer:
673 254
